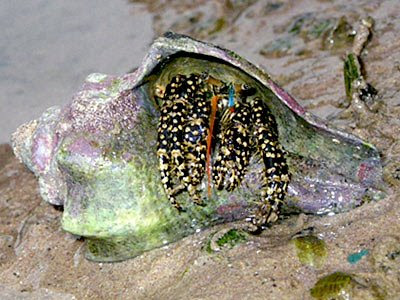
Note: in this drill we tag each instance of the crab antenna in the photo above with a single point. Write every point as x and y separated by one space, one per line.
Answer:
231 102
214 103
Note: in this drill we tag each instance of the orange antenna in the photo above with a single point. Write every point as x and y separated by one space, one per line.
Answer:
214 103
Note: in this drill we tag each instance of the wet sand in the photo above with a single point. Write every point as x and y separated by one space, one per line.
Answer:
47 48
39 260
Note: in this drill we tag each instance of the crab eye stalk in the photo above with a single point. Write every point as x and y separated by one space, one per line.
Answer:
245 87
246 90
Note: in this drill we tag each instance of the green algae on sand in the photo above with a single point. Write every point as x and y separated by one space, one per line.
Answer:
311 250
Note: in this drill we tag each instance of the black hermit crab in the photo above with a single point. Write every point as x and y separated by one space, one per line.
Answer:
98 156
191 107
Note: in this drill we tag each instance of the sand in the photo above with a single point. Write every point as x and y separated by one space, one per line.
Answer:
39 260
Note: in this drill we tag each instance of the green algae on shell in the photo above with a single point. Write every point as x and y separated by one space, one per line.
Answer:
227 238
231 238
101 152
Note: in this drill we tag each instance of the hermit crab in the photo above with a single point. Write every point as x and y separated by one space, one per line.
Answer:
191 108
197 126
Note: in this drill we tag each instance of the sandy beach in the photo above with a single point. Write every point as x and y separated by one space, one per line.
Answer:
47 48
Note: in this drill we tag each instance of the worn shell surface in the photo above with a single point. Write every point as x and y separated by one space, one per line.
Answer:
97 156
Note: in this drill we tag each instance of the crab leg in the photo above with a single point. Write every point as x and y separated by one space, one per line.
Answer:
276 177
